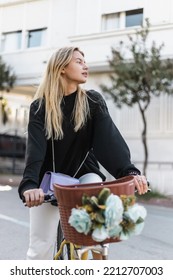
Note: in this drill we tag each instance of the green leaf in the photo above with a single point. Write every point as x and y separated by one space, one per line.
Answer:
99 218
103 195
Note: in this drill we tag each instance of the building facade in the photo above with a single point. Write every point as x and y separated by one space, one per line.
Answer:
31 30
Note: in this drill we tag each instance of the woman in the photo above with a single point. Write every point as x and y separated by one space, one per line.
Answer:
83 131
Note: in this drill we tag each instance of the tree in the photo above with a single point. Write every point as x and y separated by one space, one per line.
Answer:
7 80
136 80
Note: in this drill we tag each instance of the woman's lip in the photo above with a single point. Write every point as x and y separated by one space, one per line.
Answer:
85 74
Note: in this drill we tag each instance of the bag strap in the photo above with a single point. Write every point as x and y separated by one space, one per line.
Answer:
81 164
53 159
53 155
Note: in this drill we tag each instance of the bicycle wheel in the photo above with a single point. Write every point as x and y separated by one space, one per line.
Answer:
65 253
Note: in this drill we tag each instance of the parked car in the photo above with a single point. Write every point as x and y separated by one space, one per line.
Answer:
12 145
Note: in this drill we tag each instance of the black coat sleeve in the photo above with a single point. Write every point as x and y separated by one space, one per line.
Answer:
35 150
109 146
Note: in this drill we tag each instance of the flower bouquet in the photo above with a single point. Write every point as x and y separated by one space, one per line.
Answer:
108 216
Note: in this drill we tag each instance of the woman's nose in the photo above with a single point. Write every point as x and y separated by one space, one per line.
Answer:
85 66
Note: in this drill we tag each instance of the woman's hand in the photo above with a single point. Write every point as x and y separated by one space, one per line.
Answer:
34 197
141 184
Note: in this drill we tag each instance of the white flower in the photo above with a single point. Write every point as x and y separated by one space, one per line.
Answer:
136 212
80 220
114 231
138 228
99 234
135 231
124 236
114 211
113 215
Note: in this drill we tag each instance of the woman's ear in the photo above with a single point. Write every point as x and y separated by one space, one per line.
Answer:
62 71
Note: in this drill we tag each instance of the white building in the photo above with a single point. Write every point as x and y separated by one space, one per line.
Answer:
30 30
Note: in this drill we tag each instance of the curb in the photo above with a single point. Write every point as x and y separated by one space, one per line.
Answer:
163 202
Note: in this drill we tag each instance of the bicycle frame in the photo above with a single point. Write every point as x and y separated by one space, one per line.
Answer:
81 253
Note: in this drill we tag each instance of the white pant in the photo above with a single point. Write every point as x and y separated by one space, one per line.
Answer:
44 221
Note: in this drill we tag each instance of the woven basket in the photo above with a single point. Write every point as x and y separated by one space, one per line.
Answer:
71 196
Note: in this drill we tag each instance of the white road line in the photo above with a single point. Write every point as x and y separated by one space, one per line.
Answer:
5 188
15 221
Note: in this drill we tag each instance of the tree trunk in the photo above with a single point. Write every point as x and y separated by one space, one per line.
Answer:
144 140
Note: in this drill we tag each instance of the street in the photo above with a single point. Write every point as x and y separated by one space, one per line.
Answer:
14 217
154 243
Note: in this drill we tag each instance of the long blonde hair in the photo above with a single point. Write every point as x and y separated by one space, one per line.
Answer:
52 90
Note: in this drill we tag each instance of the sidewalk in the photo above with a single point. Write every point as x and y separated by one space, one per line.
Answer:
164 202
10 179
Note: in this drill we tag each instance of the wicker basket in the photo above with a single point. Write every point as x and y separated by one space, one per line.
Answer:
70 196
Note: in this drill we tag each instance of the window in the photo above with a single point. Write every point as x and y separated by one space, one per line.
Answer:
36 38
121 20
134 18
11 41
110 21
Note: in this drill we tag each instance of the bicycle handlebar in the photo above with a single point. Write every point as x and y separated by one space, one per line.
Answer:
48 198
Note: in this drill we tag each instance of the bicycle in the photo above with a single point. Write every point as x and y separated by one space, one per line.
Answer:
77 245
66 250
72 245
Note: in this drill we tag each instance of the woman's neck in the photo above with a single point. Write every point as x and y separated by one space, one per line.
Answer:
70 89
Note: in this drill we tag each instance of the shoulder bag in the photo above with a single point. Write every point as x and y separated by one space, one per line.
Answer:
51 177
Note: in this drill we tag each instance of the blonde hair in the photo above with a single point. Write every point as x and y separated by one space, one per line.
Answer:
52 90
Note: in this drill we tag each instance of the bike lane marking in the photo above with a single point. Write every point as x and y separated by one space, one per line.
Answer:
15 221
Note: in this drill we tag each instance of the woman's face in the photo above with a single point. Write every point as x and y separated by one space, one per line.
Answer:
76 71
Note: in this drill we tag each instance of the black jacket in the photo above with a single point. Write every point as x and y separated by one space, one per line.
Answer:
100 136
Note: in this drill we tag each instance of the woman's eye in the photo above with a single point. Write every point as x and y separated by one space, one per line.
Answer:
79 61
